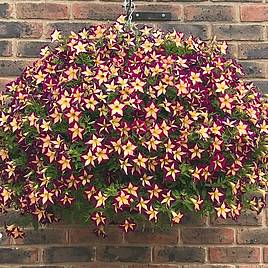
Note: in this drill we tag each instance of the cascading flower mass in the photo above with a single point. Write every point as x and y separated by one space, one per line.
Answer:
116 120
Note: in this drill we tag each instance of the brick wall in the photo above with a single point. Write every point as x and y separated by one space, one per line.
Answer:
196 243
25 27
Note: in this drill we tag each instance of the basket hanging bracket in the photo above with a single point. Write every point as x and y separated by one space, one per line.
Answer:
129 6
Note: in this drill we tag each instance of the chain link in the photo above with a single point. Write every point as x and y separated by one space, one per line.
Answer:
129 6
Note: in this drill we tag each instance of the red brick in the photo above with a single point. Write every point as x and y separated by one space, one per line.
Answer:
30 49
139 254
5 10
69 254
11 68
262 85
3 82
193 219
150 236
242 1
18 255
5 48
87 236
39 266
254 12
231 32
252 266
252 236
5 240
187 28
97 11
253 69
97 265
234 255
167 254
265 254
20 29
231 51
175 0
207 235
65 27
209 13
42 236
265 212
207 266
248 218
253 50
42 11
153 266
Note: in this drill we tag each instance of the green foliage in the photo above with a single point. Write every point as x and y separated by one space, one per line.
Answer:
84 59
172 48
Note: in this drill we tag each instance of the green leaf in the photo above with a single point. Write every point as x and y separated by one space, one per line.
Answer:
171 93
84 58
60 127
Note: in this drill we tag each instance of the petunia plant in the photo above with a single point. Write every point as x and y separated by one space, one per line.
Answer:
131 123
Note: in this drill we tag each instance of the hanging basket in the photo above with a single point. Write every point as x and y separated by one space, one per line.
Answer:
136 123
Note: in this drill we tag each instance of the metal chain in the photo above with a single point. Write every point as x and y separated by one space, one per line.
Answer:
129 8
